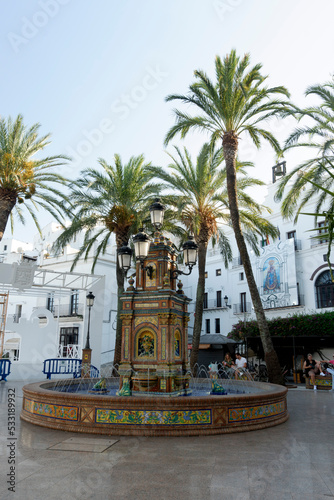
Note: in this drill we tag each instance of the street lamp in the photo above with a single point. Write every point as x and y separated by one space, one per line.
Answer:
157 211
226 302
124 258
89 302
190 252
142 243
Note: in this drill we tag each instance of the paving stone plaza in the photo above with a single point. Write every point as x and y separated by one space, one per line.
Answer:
294 460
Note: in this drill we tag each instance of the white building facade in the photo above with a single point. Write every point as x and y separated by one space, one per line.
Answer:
291 273
48 318
46 311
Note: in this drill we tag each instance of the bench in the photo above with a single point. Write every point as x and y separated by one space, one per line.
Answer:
66 366
5 365
322 383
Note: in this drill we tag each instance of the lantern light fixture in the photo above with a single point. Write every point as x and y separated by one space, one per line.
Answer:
190 252
124 257
226 302
157 211
142 242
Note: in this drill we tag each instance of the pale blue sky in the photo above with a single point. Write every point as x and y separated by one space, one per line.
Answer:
95 74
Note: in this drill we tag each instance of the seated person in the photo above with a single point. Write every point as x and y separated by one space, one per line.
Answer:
311 368
330 370
241 365
228 363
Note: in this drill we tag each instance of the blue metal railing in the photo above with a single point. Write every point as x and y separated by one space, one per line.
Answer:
5 365
60 366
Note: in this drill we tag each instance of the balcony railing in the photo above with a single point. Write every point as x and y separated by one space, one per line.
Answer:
316 243
65 310
70 351
236 262
214 304
242 308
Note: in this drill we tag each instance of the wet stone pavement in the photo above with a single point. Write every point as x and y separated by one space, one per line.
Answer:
294 460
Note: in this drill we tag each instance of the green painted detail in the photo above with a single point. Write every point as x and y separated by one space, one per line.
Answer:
217 388
150 417
125 390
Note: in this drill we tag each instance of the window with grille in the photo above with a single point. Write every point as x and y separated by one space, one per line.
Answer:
217 321
74 306
68 336
50 303
243 306
219 298
322 228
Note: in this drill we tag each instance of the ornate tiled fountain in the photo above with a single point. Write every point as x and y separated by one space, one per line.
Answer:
154 396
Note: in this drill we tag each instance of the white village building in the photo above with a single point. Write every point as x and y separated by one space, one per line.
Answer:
47 313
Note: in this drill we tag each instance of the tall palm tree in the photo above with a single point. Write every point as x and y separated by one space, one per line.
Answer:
318 135
199 192
328 215
25 182
235 105
113 200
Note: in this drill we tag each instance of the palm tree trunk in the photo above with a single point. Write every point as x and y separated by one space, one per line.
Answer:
7 203
202 248
230 147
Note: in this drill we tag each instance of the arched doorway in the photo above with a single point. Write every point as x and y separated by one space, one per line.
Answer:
324 290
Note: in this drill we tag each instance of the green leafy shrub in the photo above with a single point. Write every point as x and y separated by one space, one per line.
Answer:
298 325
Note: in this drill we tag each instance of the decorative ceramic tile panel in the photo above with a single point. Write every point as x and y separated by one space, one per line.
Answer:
163 342
152 282
146 319
126 342
149 417
322 382
50 410
146 305
243 414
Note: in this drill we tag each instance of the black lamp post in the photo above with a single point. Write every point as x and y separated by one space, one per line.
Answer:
89 302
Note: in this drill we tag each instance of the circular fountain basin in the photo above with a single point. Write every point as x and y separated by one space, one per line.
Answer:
262 405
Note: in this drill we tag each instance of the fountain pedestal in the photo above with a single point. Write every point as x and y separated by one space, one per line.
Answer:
154 328
86 361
